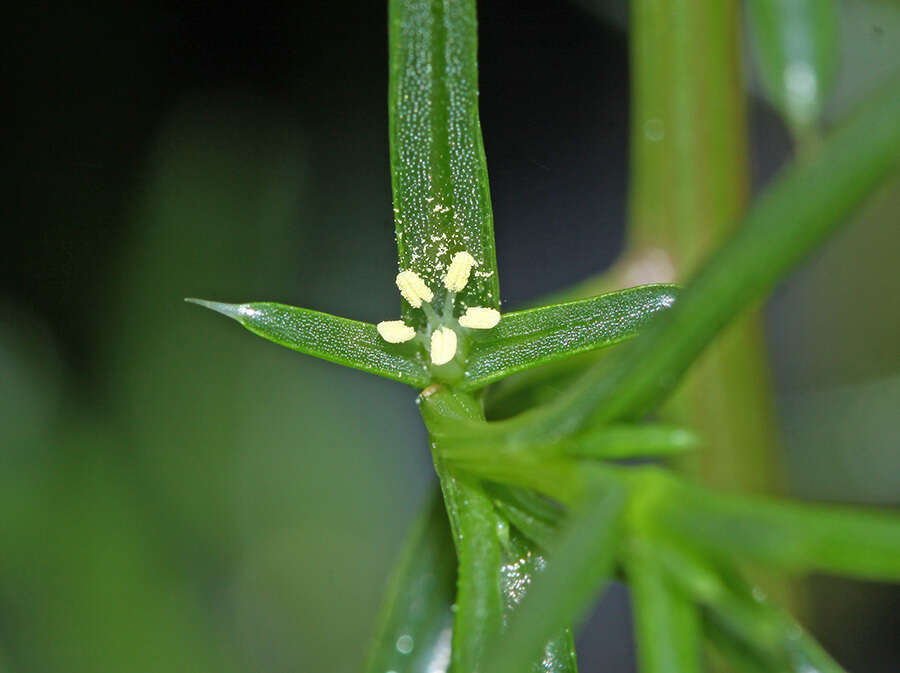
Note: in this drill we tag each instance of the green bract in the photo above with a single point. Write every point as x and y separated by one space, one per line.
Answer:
535 517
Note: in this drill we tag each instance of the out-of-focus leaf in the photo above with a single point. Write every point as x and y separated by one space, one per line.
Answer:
533 387
797 536
417 621
667 623
578 567
795 44
740 618
347 342
438 170
620 441
732 650
530 338
796 213
608 442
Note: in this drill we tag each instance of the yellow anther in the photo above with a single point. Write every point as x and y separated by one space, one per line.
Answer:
413 288
443 345
479 317
395 331
458 274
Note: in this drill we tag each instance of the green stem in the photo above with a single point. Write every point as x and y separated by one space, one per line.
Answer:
476 528
689 187
496 563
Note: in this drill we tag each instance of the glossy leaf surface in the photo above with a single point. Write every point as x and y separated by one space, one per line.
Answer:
526 339
417 621
347 342
795 44
438 170
577 569
523 565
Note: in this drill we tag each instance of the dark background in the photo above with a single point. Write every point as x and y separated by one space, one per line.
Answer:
177 495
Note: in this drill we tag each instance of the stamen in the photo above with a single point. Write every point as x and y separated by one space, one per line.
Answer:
443 345
395 331
458 274
413 288
479 317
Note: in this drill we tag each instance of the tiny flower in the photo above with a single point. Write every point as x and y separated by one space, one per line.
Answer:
413 288
395 331
479 317
443 345
458 273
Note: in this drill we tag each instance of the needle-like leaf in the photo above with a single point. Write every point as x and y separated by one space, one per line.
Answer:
667 622
739 618
607 442
797 536
530 338
439 175
347 342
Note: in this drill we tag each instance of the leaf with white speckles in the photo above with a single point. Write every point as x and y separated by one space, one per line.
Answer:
526 339
439 175
347 342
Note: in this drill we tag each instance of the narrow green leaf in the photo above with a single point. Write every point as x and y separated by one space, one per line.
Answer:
416 624
740 618
836 539
770 636
667 623
619 441
438 168
795 45
530 338
738 655
578 567
347 342
796 213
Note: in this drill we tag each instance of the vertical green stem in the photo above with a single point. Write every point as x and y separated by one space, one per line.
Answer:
476 529
495 563
689 184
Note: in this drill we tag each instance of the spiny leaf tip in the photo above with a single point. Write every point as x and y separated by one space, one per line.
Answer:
238 312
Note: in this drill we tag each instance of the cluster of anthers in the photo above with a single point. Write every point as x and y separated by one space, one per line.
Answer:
441 336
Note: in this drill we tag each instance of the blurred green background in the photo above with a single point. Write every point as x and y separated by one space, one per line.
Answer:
177 495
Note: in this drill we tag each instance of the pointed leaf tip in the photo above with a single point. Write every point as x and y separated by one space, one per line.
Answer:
237 311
